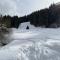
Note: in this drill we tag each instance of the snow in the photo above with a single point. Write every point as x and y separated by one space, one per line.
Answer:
33 44
24 25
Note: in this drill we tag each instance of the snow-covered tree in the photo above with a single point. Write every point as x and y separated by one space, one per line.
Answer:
3 31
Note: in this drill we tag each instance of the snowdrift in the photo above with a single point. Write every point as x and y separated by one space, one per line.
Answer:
33 44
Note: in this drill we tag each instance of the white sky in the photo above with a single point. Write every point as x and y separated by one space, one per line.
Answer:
23 7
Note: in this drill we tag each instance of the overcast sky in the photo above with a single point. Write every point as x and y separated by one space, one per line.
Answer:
23 7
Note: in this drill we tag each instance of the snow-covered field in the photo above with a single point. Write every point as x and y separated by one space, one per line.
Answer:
33 44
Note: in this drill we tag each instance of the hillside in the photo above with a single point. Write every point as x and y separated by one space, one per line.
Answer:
33 44
47 17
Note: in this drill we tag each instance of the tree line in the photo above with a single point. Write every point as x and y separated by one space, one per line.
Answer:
47 17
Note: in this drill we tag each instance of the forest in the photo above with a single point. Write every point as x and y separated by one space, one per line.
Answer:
47 17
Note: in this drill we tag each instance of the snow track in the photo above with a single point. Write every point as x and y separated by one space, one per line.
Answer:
33 44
